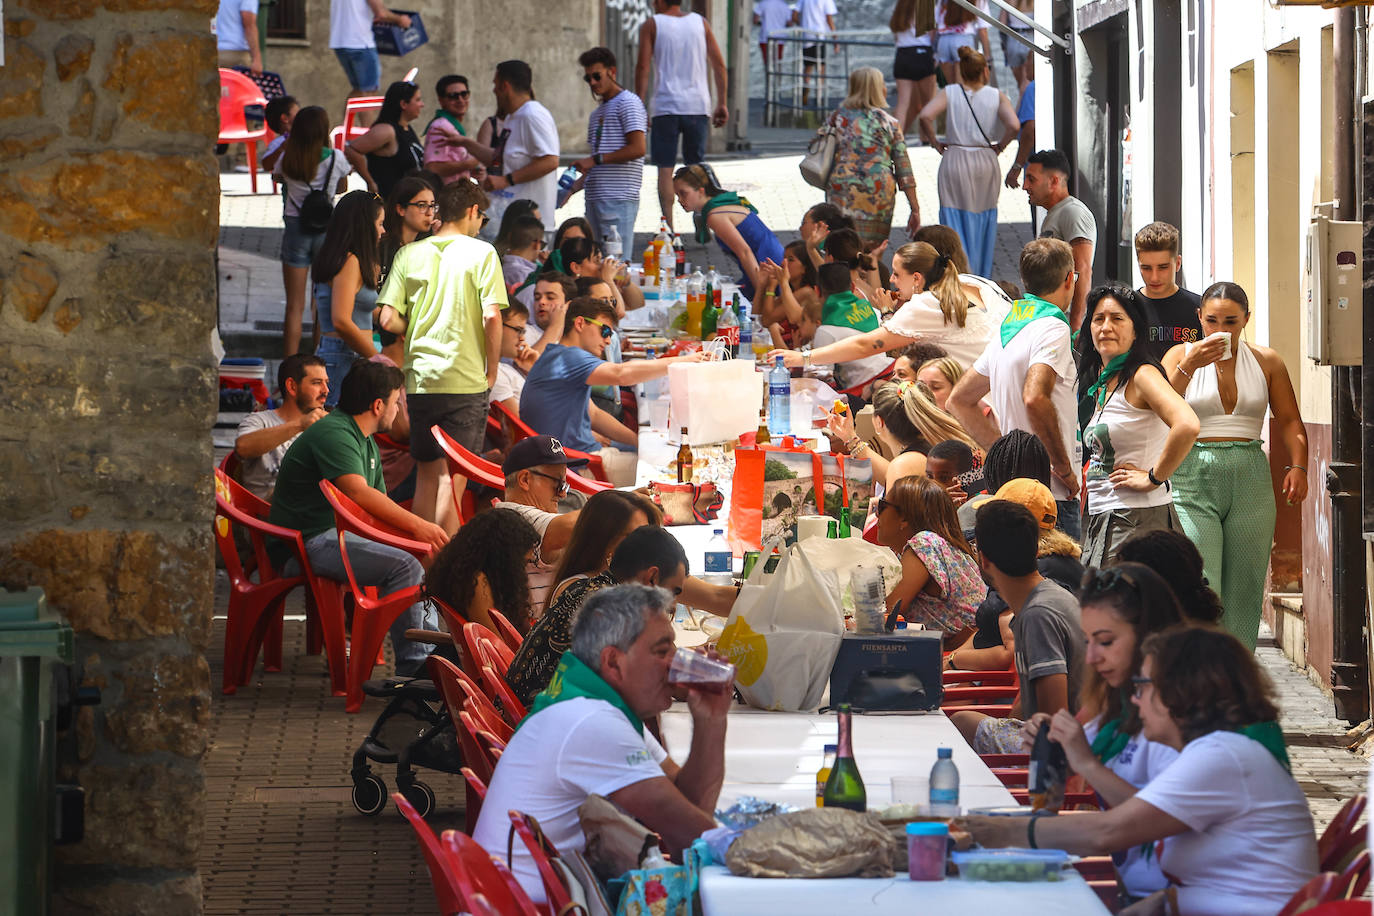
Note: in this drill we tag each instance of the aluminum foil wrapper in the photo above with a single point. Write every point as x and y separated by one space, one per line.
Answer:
749 811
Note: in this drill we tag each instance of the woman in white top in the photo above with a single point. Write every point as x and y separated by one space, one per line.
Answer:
938 306
1137 429
1225 498
913 30
1240 836
979 124
1122 605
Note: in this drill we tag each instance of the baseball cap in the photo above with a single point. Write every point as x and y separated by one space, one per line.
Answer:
1035 496
532 452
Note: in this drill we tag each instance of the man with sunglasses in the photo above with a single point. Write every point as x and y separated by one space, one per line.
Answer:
614 171
445 295
445 155
557 395
536 471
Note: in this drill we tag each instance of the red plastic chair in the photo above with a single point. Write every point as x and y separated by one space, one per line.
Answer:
486 873
543 853
506 630
1355 878
1007 692
1335 842
985 678
519 429
476 750
449 678
484 713
350 130
1341 908
373 615
463 463
235 92
488 648
500 691
1323 888
452 887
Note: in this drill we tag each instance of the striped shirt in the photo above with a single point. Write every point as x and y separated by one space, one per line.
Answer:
607 129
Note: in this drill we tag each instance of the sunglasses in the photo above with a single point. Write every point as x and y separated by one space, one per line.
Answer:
457 95
882 504
485 219
1138 685
593 78
606 329
1105 582
560 483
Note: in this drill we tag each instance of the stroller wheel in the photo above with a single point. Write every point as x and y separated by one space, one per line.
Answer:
421 797
369 795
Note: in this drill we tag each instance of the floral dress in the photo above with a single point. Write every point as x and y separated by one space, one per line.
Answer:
961 585
871 164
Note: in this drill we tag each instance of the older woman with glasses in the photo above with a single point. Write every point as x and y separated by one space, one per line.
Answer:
1239 833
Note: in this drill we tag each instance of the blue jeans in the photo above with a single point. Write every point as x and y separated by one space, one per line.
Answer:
338 359
603 214
389 570
362 66
1070 517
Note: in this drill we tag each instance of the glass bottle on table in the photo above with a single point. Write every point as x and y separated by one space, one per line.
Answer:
844 530
684 460
844 787
823 774
761 437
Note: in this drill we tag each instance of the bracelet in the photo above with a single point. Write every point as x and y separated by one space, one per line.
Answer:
510 180
949 659
852 443
1295 467
855 451
1186 373
1030 828
596 159
1153 479
769 292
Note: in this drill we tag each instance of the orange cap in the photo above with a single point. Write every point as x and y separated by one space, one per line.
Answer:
1035 496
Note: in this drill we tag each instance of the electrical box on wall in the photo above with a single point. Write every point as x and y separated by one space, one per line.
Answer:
1335 291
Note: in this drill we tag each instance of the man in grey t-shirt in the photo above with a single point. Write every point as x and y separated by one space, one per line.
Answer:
1046 625
1067 218
263 437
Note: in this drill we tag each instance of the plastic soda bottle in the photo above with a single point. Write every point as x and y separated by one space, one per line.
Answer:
696 301
679 257
727 325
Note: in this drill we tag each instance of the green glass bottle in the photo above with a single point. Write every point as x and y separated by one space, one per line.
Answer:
844 531
709 316
845 787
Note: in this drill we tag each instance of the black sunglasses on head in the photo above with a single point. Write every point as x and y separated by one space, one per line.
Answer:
1105 581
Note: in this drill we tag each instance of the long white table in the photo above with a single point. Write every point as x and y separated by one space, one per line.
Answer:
775 756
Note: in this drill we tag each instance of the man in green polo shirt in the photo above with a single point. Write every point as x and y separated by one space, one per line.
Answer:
445 294
340 448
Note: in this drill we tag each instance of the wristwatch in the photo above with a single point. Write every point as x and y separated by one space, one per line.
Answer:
596 158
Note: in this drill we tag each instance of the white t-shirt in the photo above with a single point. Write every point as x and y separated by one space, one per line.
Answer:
533 134
334 165
350 24
813 13
229 34
1252 843
1044 340
509 384
557 758
539 571
259 475
920 316
856 371
1139 762
774 15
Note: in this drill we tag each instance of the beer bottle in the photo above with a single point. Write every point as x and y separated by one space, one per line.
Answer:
684 460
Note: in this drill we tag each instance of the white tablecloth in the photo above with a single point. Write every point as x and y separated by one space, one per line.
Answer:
775 756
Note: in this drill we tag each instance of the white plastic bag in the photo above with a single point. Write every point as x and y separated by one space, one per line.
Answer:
835 559
718 401
784 633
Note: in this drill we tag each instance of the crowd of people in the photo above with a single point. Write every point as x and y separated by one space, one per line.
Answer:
1070 472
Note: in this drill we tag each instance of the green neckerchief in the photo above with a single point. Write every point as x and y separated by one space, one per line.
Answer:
457 124
1024 311
1098 389
846 310
1271 736
1110 741
723 199
572 679
553 265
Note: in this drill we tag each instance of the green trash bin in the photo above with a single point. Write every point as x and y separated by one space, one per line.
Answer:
32 642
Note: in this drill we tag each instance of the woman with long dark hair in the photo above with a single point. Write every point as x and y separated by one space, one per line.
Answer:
1136 428
390 148
1225 494
1175 557
347 275
739 231
913 68
411 213
601 525
304 166
483 567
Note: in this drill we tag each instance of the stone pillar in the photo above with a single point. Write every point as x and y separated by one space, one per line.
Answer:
109 211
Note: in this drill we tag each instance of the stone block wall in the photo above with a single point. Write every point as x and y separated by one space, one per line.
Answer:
109 211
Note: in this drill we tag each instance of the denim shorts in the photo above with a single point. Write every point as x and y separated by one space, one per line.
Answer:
664 131
462 416
299 247
947 48
362 66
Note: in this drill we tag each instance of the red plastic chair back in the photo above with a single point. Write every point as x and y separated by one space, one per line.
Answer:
489 648
237 91
231 464
519 429
385 441
1341 908
491 879
476 751
993 761
1323 888
473 467
350 130
542 852
1006 693
506 630
484 713
1334 843
452 887
499 690
1355 879
985 678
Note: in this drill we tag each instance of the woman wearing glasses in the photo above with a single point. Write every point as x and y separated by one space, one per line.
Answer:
411 214
1239 833
347 275
390 149
445 155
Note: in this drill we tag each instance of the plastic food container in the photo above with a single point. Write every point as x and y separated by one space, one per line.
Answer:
1011 864
696 669
927 842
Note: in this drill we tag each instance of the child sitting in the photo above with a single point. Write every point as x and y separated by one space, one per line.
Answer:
280 112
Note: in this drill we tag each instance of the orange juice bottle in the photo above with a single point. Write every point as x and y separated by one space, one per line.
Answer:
650 264
696 303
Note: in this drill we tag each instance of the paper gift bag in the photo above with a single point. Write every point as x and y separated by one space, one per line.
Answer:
783 634
774 485
718 401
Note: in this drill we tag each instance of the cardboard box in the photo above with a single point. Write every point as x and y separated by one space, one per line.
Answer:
396 41
889 672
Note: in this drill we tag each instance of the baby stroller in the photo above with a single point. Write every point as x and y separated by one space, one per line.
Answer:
414 730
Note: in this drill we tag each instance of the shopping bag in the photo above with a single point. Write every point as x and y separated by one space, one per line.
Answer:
774 485
783 633
686 503
717 400
836 559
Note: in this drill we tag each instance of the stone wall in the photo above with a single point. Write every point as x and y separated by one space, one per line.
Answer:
108 219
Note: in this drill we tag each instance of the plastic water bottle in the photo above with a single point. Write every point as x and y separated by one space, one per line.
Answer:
653 387
565 183
745 350
611 245
944 785
779 399
870 608
718 559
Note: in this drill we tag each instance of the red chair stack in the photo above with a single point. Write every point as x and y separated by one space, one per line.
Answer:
236 92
